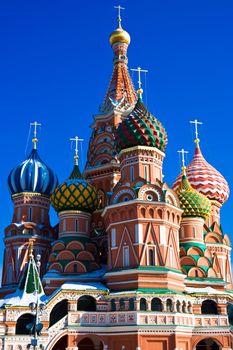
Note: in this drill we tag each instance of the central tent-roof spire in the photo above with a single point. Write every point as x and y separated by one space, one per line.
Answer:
121 95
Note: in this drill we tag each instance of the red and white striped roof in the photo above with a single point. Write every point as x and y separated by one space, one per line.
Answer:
204 178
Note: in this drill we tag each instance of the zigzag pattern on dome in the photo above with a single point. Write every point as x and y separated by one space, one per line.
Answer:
204 178
141 128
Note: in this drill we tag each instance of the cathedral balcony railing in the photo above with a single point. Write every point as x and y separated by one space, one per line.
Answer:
116 318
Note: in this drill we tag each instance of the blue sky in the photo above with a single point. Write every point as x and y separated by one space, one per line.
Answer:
56 63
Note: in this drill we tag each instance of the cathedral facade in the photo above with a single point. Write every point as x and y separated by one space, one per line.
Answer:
132 264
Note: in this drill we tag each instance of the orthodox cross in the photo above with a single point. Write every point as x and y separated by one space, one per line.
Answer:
35 140
196 123
139 70
77 140
119 8
183 152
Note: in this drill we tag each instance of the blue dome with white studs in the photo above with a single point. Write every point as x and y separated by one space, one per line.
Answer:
32 175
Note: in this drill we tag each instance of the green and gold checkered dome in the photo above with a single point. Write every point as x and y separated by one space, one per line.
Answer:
75 194
193 203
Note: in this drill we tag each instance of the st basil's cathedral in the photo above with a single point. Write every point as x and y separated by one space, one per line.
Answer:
132 264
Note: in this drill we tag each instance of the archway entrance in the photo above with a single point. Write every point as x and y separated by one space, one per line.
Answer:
207 344
61 344
89 344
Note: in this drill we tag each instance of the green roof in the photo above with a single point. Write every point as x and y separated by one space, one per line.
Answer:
30 281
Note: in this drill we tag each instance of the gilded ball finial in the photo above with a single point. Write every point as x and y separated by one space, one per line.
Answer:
140 92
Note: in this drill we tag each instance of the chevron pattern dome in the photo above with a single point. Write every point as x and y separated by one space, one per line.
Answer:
141 128
32 175
204 178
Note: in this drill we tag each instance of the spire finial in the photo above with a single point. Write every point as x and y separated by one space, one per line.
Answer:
35 139
77 140
183 152
30 248
139 70
196 123
119 8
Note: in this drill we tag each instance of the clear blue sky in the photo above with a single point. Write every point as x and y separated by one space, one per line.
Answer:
56 62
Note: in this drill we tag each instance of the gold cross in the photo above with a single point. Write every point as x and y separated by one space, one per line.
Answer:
35 140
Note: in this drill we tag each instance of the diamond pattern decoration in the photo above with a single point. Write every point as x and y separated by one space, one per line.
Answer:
141 128
193 203
75 194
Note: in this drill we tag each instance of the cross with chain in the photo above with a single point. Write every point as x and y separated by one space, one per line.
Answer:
139 70
35 140
77 140
196 123
183 152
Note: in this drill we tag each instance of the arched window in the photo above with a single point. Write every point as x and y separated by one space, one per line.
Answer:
131 304
25 324
131 173
169 305
86 303
143 304
189 309
209 307
151 257
113 305
194 232
230 313
178 306
59 311
30 214
121 304
207 344
42 215
156 304
184 307
146 172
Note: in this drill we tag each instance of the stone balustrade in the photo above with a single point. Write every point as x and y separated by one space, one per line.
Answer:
141 318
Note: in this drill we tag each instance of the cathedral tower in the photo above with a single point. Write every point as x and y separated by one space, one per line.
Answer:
102 168
31 184
143 217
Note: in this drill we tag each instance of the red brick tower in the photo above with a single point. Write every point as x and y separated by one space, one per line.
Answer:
143 217
31 184
102 168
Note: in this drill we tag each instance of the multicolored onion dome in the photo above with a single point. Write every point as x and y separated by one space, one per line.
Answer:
204 178
32 175
141 128
75 194
193 203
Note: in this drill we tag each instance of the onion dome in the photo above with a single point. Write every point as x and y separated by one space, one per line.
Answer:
193 203
141 128
75 194
119 36
204 178
32 175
